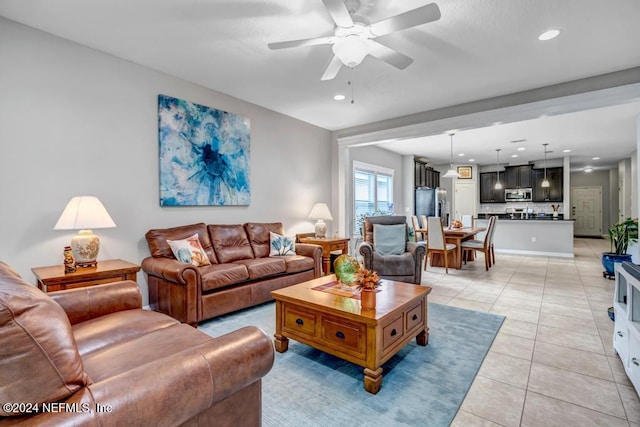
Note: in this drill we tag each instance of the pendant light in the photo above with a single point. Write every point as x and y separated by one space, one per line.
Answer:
498 185
451 173
545 181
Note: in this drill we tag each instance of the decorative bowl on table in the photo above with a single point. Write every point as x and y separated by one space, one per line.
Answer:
456 224
346 267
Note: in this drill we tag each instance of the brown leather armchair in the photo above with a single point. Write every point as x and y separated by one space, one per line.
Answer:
405 267
92 356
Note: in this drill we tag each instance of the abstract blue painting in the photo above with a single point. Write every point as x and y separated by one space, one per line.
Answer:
204 155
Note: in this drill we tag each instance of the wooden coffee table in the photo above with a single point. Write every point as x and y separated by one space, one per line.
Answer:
322 315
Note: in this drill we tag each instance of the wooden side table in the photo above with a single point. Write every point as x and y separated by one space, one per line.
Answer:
53 278
329 244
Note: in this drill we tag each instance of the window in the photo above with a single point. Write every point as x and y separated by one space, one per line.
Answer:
372 190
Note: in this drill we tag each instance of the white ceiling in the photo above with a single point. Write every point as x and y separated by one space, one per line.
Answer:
477 50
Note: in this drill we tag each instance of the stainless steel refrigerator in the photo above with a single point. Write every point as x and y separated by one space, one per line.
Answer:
432 201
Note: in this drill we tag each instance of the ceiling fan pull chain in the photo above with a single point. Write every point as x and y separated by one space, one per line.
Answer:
350 84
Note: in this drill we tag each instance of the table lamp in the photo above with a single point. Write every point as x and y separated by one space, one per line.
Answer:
83 213
321 212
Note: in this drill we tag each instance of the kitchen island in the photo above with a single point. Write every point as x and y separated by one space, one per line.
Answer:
533 236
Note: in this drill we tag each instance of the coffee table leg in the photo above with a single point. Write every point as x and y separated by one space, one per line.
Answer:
423 337
281 343
372 380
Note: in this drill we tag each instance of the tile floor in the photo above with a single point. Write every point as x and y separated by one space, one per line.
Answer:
552 363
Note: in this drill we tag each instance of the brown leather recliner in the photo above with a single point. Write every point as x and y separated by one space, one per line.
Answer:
91 356
404 267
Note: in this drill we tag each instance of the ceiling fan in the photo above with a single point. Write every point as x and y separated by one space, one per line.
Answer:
353 37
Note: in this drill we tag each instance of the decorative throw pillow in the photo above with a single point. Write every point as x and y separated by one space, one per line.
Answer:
189 251
389 239
281 245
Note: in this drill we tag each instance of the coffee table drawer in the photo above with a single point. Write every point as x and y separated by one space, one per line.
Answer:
299 321
344 336
414 317
392 332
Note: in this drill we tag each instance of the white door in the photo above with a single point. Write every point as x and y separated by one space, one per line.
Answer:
464 198
586 210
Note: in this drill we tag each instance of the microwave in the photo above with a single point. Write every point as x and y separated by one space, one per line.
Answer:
518 195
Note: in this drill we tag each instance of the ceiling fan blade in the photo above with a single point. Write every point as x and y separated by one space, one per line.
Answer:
390 56
339 13
297 43
332 70
419 16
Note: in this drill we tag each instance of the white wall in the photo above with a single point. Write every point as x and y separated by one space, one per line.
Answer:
604 179
74 121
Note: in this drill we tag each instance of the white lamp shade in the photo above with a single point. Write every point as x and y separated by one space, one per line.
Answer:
84 212
351 50
451 173
321 211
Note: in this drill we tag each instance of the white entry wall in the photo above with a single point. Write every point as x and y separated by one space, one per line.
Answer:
464 198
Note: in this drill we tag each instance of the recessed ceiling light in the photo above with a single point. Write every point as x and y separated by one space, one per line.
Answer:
548 35
461 155
566 151
472 160
595 158
514 155
588 169
339 97
521 148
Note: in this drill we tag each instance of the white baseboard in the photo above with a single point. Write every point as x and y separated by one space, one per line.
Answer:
521 252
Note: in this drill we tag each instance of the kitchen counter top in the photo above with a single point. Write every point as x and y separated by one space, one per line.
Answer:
507 217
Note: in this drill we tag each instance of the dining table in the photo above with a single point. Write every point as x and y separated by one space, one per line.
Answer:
455 236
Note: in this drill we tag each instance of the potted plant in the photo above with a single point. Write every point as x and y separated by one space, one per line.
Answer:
367 281
621 234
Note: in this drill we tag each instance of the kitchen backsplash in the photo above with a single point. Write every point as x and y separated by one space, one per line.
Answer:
489 208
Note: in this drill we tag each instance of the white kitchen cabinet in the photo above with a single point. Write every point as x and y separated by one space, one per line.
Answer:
626 333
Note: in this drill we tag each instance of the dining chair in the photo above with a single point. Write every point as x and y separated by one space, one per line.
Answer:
493 232
423 222
416 226
467 220
483 245
436 242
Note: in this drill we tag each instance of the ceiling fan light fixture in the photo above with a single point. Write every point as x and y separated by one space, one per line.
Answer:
351 50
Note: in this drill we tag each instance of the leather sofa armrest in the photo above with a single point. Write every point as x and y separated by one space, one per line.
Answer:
87 303
187 383
170 269
312 251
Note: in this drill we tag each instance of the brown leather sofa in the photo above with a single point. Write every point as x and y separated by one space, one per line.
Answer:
92 357
241 273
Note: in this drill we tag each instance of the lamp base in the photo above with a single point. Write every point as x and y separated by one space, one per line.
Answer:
85 247
321 229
